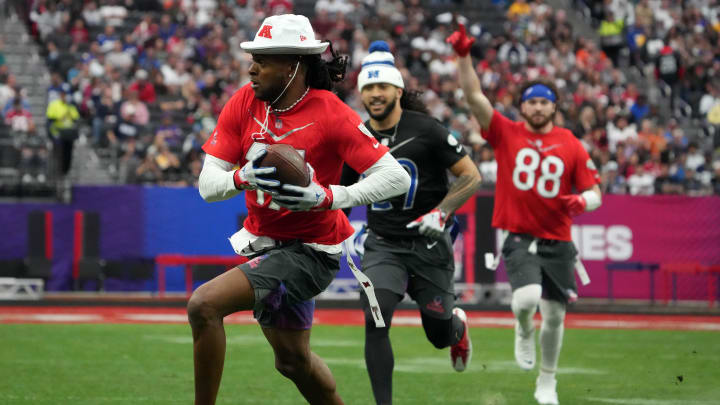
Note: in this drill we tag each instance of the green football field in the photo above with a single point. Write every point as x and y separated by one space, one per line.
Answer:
152 364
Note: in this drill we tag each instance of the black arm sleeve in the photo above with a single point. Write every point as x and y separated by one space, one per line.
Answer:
348 177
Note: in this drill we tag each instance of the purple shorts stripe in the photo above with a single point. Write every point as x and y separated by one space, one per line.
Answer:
279 313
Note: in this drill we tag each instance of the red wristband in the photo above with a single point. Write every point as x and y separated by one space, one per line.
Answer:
239 183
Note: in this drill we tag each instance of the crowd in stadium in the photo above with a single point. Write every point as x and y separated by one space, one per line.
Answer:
150 78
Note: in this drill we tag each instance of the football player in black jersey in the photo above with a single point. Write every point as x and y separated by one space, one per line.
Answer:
408 247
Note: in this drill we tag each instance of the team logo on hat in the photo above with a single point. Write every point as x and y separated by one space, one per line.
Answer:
265 32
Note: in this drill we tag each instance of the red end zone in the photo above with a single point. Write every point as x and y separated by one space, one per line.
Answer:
69 315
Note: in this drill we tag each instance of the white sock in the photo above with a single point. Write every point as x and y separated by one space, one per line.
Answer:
524 305
551 335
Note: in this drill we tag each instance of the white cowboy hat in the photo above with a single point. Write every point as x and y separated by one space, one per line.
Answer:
285 34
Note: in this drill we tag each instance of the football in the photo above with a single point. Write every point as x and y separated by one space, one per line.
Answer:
290 164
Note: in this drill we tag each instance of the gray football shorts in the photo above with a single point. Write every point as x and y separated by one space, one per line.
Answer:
285 280
421 267
552 266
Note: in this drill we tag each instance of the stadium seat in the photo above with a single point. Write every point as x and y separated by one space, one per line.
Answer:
129 269
88 265
11 268
38 262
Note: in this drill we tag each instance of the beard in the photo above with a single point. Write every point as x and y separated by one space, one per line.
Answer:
269 92
538 125
384 113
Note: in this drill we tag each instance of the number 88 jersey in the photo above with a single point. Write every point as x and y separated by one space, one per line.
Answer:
534 170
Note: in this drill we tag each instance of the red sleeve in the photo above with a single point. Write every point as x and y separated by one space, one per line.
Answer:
586 174
498 123
355 143
225 141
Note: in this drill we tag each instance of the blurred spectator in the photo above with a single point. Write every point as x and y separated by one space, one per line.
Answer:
695 158
107 39
91 14
513 52
710 103
8 91
144 88
487 166
103 113
18 118
145 30
277 7
118 58
79 33
113 13
148 172
170 132
652 141
33 151
166 161
620 131
640 108
612 181
611 36
63 118
668 68
134 111
519 8
640 182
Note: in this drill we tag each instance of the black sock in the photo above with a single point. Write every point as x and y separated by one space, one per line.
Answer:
378 350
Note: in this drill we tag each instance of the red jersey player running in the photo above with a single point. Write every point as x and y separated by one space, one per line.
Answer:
292 233
539 164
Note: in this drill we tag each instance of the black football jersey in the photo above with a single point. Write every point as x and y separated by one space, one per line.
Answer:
426 150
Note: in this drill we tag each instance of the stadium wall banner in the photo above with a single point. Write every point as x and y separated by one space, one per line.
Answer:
143 222
135 222
649 230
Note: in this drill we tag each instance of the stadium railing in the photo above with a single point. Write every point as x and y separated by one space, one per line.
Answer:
670 272
188 261
631 266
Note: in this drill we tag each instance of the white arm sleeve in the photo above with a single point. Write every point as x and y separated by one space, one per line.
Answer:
216 180
384 179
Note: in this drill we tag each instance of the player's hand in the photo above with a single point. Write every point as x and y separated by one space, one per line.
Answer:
297 198
431 224
575 204
460 41
252 176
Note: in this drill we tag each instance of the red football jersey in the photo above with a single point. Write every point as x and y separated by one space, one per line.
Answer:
322 128
533 171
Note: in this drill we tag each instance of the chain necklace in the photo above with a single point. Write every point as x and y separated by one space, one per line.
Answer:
282 110
386 137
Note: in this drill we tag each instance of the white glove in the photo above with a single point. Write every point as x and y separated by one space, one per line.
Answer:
297 198
431 224
250 176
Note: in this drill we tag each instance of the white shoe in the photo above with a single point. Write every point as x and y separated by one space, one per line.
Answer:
546 390
524 349
461 352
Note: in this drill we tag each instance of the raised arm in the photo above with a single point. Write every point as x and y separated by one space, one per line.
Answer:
479 104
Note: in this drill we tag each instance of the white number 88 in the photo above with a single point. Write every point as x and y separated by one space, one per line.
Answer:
551 169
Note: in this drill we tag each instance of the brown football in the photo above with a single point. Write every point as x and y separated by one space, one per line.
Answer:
290 164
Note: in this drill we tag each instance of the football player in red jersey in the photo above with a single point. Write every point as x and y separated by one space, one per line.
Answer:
539 166
293 234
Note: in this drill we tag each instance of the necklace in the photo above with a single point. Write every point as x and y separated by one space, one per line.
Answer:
387 139
282 110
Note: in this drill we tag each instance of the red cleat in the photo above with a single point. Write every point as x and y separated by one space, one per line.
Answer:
461 352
